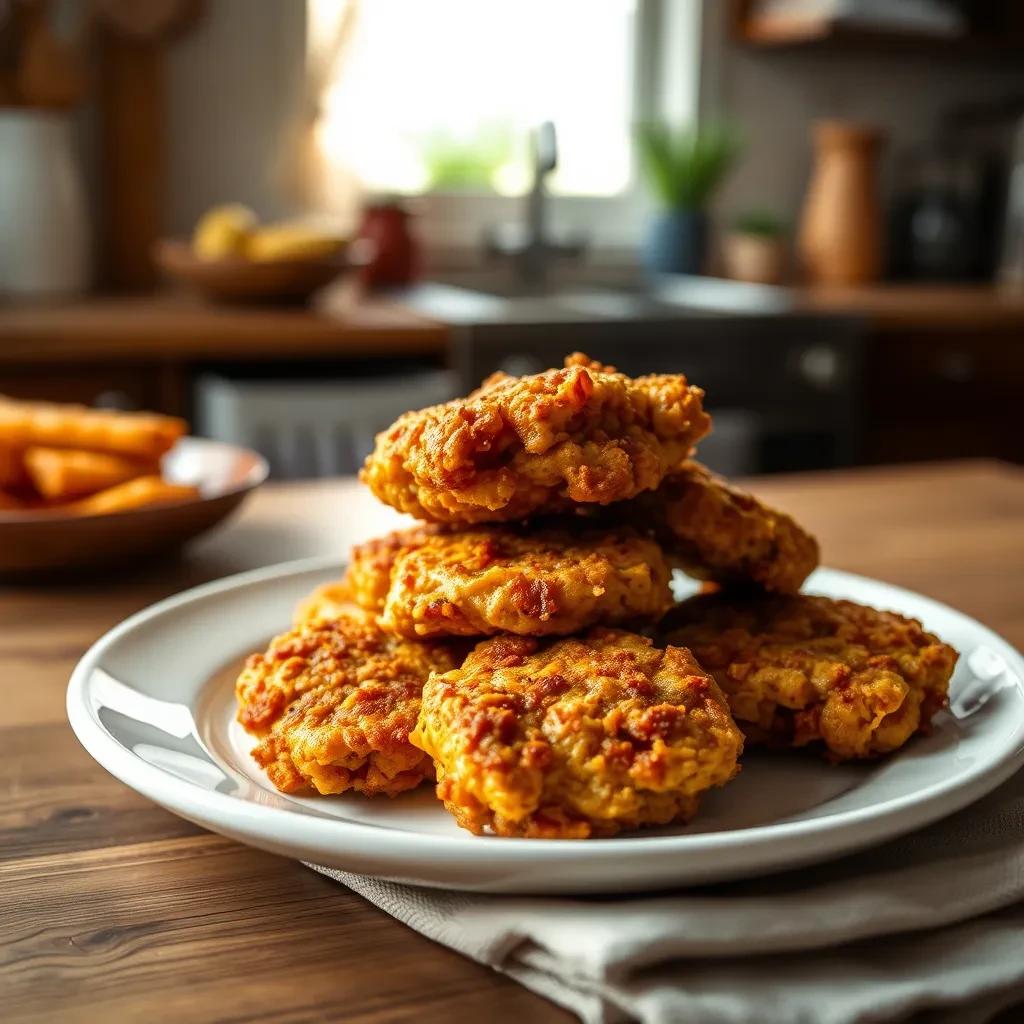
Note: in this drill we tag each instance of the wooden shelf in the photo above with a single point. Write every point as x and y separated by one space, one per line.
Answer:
782 32
937 308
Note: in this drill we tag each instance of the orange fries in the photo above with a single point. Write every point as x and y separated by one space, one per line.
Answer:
60 474
140 435
8 502
78 461
12 469
137 493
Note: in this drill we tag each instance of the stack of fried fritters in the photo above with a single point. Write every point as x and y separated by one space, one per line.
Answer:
522 645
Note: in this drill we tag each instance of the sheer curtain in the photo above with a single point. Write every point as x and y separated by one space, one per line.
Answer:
324 183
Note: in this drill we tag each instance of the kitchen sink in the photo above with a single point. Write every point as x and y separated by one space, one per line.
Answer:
783 384
489 297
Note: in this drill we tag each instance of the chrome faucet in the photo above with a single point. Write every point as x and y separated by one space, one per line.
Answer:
530 245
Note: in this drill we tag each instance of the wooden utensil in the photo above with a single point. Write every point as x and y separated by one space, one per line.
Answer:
9 44
50 72
133 36
149 20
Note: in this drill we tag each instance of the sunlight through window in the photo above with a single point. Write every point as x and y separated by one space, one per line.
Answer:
441 95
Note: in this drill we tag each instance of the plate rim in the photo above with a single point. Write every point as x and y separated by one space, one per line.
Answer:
827 836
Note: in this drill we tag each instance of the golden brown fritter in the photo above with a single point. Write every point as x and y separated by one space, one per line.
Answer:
333 702
368 576
491 580
804 670
714 531
329 601
519 446
575 738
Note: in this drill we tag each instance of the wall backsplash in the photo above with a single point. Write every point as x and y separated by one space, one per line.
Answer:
235 88
776 96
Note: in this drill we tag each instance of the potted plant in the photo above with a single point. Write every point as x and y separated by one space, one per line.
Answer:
755 248
683 167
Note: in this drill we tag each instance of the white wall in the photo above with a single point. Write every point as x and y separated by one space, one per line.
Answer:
235 92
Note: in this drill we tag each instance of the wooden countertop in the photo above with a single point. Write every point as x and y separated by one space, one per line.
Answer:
182 328
173 327
926 307
116 910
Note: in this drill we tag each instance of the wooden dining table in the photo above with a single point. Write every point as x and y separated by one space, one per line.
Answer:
112 909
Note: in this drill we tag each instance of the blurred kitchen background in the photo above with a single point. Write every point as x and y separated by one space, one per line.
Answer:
814 208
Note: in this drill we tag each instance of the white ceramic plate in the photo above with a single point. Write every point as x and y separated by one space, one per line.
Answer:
152 701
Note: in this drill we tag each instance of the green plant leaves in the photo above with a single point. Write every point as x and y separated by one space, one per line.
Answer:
763 223
685 166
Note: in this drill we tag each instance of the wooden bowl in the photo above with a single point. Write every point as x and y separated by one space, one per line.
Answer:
241 280
47 543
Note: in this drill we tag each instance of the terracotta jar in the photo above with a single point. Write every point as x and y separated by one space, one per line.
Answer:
841 229
396 257
759 259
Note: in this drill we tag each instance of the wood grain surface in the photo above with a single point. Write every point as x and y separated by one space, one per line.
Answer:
114 910
920 307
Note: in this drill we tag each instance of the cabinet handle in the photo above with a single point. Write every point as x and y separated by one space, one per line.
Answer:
955 366
115 399
819 366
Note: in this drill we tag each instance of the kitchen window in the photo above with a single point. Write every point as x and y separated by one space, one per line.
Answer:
439 99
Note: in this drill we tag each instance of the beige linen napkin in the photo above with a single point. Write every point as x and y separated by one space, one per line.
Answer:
931 924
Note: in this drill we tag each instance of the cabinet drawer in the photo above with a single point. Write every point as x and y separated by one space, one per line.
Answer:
944 396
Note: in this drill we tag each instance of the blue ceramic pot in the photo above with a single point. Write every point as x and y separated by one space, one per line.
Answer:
675 242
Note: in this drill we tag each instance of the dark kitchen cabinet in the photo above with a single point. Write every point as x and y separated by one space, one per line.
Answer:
943 395
793 382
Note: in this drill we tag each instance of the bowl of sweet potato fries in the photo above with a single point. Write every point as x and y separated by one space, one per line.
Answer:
83 487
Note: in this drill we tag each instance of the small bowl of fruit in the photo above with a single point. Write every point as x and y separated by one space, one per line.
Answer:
232 257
